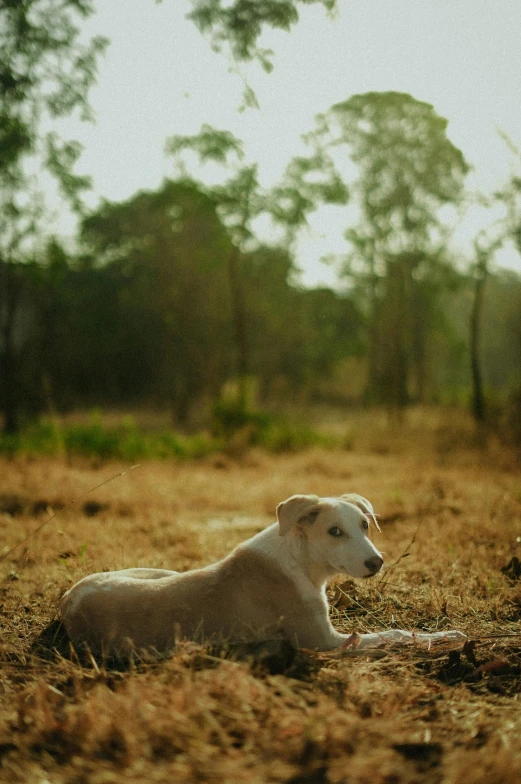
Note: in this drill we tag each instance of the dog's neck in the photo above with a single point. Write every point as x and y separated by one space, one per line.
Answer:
291 554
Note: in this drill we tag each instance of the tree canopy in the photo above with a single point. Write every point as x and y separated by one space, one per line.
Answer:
240 23
45 74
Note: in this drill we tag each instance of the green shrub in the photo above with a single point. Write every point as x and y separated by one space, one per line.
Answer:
42 438
129 443
92 439
239 424
229 417
282 436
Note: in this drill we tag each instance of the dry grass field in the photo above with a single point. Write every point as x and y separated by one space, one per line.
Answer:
451 523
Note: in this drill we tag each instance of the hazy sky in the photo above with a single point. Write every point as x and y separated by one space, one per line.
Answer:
159 77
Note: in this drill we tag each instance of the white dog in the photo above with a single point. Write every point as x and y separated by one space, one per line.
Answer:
271 586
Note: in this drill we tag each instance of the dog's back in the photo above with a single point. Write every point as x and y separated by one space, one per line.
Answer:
244 596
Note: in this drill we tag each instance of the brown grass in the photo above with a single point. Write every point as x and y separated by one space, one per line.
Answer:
450 715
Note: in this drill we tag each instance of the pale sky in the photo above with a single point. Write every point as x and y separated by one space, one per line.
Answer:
160 77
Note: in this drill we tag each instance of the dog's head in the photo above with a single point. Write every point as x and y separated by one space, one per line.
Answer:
335 531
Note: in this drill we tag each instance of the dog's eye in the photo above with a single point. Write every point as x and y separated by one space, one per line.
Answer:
365 523
335 531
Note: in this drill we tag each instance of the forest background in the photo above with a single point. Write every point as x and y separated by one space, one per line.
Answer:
173 300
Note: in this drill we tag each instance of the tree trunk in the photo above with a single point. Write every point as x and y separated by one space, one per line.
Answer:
478 397
373 391
9 401
419 331
10 396
239 325
180 405
397 360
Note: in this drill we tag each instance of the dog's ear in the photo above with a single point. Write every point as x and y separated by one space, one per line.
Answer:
296 509
363 504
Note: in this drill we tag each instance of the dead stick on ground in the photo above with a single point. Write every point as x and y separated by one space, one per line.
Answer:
3 556
494 636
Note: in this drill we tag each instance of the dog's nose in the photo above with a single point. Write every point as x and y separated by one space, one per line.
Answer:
374 563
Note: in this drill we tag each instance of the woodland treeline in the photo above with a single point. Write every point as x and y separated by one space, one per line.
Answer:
171 298
147 317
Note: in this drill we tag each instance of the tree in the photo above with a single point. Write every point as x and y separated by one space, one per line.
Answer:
168 250
240 23
45 74
238 203
484 249
408 169
510 195
298 336
241 200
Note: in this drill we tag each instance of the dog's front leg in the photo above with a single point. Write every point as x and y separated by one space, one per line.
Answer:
316 632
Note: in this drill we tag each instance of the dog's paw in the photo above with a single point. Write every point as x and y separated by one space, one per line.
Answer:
453 634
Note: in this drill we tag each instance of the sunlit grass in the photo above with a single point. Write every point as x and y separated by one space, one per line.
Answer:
450 521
